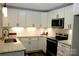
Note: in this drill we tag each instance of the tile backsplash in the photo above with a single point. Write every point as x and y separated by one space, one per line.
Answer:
32 31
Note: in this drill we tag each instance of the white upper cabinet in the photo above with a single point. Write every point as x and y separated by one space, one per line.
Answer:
12 17
16 17
50 17
59 13
37 18
76 8
22 17
54 14
43 19
68 23
33 19
0 8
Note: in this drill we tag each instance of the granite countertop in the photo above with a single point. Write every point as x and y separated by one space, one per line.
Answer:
61 41
11 47
33 36
65 42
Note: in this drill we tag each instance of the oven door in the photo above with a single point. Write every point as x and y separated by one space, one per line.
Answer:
51 47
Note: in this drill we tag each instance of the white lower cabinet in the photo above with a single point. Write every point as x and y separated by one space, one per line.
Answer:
43 43
34 43
63 49
26 43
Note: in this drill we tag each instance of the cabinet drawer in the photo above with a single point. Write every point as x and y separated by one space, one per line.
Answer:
63 45
60 53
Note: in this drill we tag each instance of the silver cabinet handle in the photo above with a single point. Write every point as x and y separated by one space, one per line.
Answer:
63 45
33 25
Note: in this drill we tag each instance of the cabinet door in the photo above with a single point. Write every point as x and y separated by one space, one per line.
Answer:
50 17
37 19
26 42
29 21
22 18
44 19
34 43
43 43
61 13
68 23
33 19
63 50
12 17
55 14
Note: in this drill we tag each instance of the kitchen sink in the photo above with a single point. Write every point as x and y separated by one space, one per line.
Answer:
10 40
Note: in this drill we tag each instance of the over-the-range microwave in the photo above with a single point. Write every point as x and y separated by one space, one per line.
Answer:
58 23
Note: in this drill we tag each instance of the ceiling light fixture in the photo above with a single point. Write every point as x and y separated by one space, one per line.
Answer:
4 10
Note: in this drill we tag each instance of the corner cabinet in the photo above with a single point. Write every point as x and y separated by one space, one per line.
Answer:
26 43
68 23
34 43
30 43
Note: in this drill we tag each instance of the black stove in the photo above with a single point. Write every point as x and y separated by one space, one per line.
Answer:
52 43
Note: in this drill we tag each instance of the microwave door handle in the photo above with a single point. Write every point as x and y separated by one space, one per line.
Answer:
59 22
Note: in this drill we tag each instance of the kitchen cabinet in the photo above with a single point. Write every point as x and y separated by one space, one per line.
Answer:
54 14
49 19
76 8
16 17
43 19
66 13
34 43
26 43
58 13
12 17
63 49
43 43
30 43
33 19
22 17
68 22
25 18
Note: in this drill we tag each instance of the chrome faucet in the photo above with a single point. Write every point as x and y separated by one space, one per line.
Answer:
5 32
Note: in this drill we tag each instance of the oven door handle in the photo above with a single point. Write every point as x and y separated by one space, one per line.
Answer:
52 41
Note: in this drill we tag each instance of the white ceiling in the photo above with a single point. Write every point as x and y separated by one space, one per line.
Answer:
37 6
